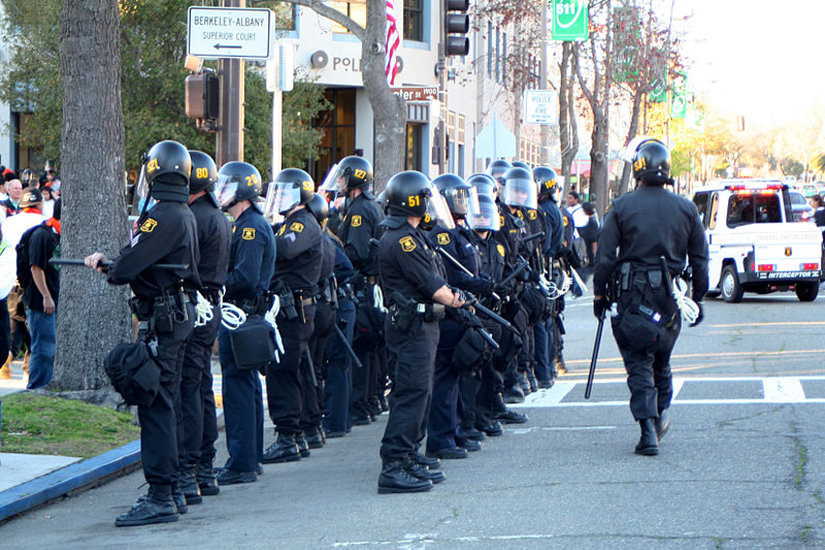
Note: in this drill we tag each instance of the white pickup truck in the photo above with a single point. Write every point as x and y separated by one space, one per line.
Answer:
753 243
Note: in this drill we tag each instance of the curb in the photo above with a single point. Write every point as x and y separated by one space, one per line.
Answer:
31 494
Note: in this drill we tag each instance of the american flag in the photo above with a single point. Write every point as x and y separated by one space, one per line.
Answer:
393 41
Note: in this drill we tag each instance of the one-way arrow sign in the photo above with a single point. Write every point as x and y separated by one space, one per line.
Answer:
229 32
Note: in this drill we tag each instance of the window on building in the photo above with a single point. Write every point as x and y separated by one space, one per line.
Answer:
498 55
338 128
504 57
415 147
355 9
461 145
414 20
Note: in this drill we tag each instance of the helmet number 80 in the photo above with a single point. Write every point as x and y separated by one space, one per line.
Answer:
201 173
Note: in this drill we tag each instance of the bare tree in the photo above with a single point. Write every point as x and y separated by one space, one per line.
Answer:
92 316
568 125
388 109
596 89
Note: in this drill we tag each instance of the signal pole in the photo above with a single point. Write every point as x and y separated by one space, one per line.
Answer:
231 119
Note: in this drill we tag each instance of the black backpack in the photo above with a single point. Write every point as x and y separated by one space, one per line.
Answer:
24 272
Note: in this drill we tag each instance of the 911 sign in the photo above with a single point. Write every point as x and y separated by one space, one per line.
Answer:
570 20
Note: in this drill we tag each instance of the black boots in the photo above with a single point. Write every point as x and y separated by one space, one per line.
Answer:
283 450
662 423
189 486
207 483
505 415
395 478
648 444
156 506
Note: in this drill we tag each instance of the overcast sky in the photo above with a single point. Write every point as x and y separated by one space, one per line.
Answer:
764 59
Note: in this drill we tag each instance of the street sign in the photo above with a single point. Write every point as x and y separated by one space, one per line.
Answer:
229 32
540 107
570 20
417 93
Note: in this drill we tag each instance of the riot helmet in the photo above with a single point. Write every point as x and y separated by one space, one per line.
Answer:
165 173
545 179
204 173
486 217
238 181
519 189
410 193
651 162
484 184
498 168
319 208
352 172
520 164
461 197
292 187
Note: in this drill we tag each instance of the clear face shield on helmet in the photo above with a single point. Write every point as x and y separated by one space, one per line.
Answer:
287 197
437 210
271 214
332 183
520 193
141 200
462 200
485 216
225 189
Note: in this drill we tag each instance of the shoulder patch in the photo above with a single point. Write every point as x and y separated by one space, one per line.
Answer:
443 238
281 230
356 220
564 220
248 234
532 214
500 248
148 226
296 227
520 214
501 220
407 244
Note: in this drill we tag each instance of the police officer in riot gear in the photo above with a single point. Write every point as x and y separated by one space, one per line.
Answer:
444 438
251 265
164 304
290 381
656 233
326 302
416 290
359 226
497 170
197 423
553 227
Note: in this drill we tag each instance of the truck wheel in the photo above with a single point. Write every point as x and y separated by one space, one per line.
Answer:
807 292
731 289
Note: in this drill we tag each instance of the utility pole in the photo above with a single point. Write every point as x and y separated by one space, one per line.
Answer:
441 138
231 119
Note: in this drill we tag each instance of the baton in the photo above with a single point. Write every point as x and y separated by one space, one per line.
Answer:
473 301
347 345
107 264
594 358
532 237
460 266
310 366
488 337
521 267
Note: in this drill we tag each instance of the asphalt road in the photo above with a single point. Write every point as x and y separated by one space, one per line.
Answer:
742 467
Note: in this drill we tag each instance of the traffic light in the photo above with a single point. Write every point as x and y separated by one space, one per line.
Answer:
456 25
203 96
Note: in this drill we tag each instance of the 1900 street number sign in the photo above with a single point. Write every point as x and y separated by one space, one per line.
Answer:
229 32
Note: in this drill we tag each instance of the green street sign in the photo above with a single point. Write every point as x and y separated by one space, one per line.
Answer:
570 20
678 105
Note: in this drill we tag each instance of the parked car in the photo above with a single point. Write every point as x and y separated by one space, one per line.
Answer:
802 211
752 244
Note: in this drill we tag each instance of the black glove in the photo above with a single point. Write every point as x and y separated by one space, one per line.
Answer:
700 317
503 290
600 306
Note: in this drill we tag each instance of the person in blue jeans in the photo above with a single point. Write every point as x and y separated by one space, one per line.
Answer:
40 295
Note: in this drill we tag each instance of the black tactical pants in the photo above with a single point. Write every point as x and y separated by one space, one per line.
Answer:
158 424
313 406
646 330
286 379
412 360
197 426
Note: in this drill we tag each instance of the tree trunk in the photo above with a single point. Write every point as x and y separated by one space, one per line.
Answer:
638 95
388 109
92 316
567 115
